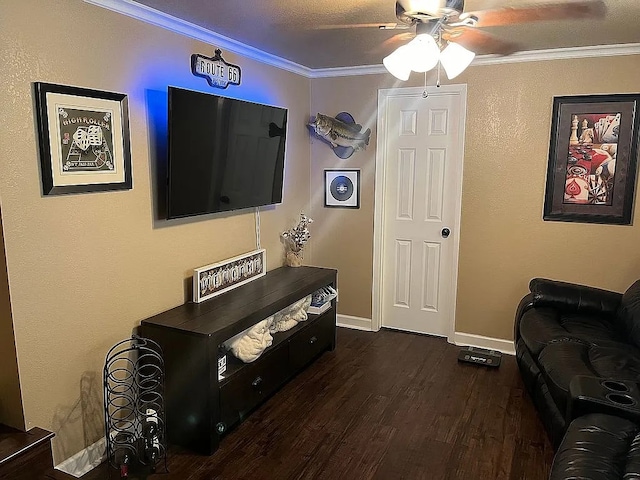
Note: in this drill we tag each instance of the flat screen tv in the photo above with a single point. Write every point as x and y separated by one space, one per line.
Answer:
224 154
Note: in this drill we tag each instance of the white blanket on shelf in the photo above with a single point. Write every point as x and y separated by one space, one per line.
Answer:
289 317
249 345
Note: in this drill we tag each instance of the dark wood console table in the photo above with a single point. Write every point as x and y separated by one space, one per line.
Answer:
201 408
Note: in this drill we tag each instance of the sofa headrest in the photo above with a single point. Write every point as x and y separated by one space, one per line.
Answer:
574 298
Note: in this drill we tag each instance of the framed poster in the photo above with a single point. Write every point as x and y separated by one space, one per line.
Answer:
593 154
212 280
84 139
342 188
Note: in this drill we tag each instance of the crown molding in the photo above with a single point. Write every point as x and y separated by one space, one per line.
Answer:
347 71
160 19
155 17
528 56
560 54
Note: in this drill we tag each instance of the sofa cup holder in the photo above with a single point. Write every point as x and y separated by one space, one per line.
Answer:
621 399
615 386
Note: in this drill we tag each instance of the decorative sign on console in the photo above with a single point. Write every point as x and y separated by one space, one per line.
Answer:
215 70
217 278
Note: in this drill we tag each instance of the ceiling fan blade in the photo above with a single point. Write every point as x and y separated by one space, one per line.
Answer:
398 38
568 10
380 26
480 42
388 45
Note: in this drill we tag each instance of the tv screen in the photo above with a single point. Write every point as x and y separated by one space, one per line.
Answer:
224 154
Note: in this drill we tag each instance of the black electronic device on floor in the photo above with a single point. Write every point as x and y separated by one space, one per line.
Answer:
480 356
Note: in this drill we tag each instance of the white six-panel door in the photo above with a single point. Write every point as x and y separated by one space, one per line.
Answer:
419 189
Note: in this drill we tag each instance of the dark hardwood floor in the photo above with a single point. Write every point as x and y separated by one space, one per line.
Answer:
383 406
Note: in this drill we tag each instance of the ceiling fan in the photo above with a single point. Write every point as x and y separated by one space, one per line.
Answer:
450 17
445 33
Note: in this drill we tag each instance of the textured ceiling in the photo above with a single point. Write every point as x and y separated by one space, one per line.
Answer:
303 31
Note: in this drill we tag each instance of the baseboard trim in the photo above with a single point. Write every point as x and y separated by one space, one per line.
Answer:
85 460
469 339
356 323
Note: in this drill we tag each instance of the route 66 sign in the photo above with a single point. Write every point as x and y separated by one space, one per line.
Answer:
215 70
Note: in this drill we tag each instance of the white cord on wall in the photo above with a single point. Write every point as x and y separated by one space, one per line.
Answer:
257 228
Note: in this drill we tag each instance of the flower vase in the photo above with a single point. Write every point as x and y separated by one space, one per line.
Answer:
294 259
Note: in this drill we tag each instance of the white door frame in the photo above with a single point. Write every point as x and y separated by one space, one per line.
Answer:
378 226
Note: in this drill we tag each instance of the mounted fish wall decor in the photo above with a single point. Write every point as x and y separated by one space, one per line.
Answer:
341 132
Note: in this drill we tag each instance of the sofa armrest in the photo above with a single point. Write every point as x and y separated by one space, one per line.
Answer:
574 298
525 304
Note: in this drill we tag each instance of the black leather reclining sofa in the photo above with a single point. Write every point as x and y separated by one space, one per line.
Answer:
568 336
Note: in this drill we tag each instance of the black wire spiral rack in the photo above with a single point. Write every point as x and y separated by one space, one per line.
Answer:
134 410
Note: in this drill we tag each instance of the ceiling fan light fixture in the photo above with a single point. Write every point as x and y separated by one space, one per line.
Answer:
424 53
455 59
398 63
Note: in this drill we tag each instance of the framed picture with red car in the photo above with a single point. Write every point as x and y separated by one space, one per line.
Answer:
593 155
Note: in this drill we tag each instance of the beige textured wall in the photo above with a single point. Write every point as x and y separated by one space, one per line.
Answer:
343 238
10 398
504 241
85 269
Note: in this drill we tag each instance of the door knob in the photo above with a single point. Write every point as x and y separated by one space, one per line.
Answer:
445 232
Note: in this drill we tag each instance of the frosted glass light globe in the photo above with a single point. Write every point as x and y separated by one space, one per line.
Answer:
455 59
398 63
424 53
